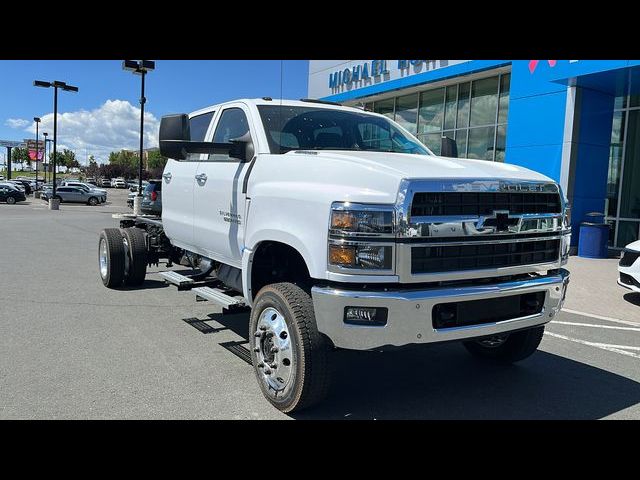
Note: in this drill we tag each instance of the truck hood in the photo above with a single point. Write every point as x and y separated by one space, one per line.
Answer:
428 166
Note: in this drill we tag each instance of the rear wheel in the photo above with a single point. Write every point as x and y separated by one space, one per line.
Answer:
11 200
289 355
136 249
111 257
507 348
58 198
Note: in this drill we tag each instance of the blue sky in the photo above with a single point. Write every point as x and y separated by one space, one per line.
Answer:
102 116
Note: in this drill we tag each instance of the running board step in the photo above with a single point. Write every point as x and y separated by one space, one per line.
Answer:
177 279
218 296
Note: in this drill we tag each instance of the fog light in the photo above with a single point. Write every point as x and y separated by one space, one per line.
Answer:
365 316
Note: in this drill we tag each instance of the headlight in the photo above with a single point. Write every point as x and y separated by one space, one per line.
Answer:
352 219
361 237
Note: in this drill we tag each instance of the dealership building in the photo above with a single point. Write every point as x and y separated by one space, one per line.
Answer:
576 121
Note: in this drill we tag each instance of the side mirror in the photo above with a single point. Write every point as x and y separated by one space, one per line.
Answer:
242 147
175 139
448 148
174 130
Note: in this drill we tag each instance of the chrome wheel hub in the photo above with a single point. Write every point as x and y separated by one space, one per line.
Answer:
102 257
274 350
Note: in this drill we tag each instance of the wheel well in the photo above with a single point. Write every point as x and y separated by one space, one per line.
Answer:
277 262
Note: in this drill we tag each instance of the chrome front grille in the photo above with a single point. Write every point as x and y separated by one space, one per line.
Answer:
483 203
452 230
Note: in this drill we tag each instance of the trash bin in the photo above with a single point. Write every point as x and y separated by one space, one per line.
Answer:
594 236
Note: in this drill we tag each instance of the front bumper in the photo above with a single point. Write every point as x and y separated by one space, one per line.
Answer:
409 318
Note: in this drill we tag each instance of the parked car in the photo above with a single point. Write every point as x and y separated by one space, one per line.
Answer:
92 181
88 187
72 195
26 184
15 184
105 182
629 267
118 183
11 194
152 198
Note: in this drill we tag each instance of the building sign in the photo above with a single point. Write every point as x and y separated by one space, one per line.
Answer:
338 76
32 148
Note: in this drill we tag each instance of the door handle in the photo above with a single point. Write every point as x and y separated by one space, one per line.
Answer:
167 176
201 177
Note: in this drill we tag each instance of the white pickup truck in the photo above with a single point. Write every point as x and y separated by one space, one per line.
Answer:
340 229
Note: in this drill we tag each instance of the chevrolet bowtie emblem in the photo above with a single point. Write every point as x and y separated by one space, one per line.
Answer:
501 221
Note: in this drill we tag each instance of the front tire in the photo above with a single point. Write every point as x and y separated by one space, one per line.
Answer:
508 348
111 257
290 357
93 201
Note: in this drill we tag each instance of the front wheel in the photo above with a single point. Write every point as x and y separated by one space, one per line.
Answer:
290 357
509 347
93 201
111 257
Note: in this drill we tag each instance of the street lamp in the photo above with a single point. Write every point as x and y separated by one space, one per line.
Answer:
67 88
44 157
37 120
140 68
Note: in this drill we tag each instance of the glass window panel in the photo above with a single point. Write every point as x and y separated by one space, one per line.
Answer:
368 106
461 142
450 107
481 143
452 135
615 161
407 112
431 110
630 201
634 88
627 233
503 104
484 101
501 140
463 105
433 141
385 107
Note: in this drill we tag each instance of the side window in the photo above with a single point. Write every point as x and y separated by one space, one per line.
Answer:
374 137
233 123
198 127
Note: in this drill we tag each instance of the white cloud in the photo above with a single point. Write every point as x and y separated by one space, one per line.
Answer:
111 127
16 122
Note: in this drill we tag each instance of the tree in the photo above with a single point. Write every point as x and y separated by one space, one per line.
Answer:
59 160
69 159
20 155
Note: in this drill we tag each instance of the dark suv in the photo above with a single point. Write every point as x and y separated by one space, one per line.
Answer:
152 198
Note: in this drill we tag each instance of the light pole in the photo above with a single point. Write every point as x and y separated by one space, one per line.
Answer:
139 68
53 205
37 120
44 158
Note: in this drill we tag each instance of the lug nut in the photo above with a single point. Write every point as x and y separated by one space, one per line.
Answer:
274 365
267 372
275 349
262 327
261 364
257 334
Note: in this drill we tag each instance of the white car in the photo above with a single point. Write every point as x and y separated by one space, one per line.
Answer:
629 267
118 183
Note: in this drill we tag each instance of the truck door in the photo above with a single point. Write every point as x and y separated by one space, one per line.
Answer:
219 202
178 180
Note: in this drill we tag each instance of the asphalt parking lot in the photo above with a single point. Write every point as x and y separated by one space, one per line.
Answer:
72 349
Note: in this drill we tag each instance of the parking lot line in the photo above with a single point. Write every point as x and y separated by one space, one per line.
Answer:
600 317
621 349
612 327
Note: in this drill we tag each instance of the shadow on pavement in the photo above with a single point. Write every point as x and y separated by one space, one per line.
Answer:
632 297
147 285
445 382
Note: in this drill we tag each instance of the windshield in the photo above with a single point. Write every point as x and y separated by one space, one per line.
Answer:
308 128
